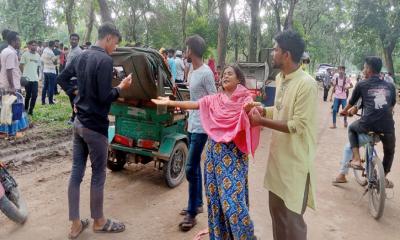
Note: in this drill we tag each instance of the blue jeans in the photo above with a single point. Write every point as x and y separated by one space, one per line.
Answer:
87 143
193 171
336 104
348 153
48 87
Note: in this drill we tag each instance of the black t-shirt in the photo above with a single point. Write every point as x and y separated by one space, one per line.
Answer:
378 99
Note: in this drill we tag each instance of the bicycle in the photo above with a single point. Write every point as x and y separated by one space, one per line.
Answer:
372 176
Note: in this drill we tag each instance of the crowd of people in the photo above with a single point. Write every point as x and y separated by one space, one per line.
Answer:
24 69
225 121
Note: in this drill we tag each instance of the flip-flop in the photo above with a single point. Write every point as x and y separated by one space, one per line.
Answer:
85 224
111 226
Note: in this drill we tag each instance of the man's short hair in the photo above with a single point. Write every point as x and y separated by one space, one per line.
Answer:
32 42
197 45
74 35
4 34
292 42
108 28
375 63
171 50
12 36
57 41
51 44
341 67
88 44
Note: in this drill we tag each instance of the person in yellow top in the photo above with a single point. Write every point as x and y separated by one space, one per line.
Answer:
290 171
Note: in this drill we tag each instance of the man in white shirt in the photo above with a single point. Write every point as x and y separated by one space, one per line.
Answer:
49 61
180 67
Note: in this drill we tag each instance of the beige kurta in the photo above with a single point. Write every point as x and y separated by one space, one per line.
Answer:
291 156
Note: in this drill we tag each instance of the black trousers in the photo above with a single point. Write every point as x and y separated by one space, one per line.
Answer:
326 91
388 141
31 95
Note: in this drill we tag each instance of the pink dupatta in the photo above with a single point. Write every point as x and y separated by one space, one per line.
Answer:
225 120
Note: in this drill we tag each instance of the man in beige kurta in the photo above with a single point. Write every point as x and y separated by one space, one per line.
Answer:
290 171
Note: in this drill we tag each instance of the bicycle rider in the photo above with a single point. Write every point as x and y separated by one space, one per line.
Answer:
378 99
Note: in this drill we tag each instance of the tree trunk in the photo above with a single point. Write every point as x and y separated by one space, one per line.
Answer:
277 9
89 24
197 6
105 11
69 15
222 32
183 20
289 18
388 54
254 29
236 35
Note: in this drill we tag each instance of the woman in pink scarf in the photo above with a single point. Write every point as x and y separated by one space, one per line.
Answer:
231 139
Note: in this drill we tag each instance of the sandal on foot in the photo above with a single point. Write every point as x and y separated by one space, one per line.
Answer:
85 224
355 166
388 183
337 180
184 211
111 226
200 234
187 223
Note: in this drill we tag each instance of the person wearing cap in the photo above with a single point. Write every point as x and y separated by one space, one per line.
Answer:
180 67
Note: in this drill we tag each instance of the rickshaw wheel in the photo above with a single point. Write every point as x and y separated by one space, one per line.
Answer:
116 160
174 169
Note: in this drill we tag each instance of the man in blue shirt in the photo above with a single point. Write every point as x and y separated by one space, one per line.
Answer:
172 64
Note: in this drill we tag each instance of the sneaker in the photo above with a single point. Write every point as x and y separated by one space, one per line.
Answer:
70 122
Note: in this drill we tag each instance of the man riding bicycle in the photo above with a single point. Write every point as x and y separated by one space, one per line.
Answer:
378 99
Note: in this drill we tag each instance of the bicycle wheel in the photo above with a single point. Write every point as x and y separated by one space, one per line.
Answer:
360 175
376 188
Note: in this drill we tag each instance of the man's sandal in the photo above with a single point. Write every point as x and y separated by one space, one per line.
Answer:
85 224
111 226
187 223
355 166
184 211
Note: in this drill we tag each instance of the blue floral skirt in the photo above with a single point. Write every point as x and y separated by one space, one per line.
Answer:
226 184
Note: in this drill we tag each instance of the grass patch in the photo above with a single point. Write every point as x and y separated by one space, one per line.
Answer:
53 116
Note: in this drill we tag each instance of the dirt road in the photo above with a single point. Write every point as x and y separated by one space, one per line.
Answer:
139 197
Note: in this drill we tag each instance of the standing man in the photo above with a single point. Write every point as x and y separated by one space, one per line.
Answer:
30 62
290 170
49 60
73 53
327 83
57 53
341 85
172 65
201 83
180 67
94 95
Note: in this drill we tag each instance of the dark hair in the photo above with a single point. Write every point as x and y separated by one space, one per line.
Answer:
342 67
61 45
57 40
238 72
12 36
375 63
74 35
32 42
108 28
291 42
88 43
197 45
4 33
39 42
65 48
51 43
171 50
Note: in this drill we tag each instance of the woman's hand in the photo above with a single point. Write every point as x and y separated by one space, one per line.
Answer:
248 106
161 101
255 118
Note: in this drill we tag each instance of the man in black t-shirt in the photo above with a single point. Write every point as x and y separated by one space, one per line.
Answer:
378 99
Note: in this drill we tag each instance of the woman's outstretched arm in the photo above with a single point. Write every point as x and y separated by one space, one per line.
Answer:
165 101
